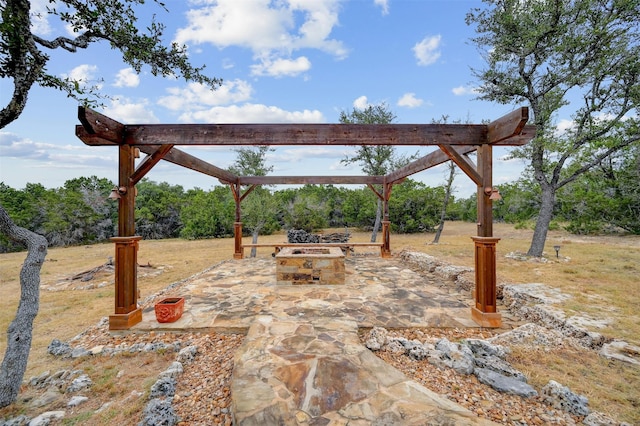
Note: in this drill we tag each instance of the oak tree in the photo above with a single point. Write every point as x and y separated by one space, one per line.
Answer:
577 56
376 160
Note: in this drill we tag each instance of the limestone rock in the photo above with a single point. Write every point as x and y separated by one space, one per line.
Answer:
504 384
600 419
621 351
188 354
159 412
77 400
82 382
45 419
486 348
79 352
50 396
96 350
20 420
562 398
376 338
174 370
163 387
58 348
39 381
530 334
459 357
500 366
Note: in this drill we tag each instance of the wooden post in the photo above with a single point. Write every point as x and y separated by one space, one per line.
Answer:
127 312
485 312
238 252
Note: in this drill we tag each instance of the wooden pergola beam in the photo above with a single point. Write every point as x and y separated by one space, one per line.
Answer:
310 180
498 132
303 134
507 126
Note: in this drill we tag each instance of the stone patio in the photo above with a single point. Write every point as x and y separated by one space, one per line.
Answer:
302 362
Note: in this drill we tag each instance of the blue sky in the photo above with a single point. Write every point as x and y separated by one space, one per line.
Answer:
295 61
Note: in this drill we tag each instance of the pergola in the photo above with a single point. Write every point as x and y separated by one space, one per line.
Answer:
158 141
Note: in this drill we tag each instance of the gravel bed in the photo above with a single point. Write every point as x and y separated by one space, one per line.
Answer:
203 390
466 390
203 394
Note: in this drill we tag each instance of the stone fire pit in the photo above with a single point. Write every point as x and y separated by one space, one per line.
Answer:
310 265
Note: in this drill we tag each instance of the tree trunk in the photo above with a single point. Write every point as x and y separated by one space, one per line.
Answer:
447 196
19 333
254 240
548 200
378 222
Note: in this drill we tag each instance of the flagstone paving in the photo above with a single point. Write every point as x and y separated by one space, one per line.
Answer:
377 292
302 362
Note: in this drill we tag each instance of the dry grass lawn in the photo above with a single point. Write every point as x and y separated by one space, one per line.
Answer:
600 273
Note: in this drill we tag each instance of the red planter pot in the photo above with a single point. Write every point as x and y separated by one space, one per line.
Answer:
169 309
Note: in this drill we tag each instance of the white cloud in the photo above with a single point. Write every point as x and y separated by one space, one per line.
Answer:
251 113
40 17
427 50
464 90
197 96
126 111
58 156
361 102
127 77
83 74
409 100
282 67
269 29
14 146
564 125
384 4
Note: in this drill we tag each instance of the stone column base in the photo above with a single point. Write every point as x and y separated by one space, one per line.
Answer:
486 319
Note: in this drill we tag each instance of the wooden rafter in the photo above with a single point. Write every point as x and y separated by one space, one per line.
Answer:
462 161
430 160
310 180
147 164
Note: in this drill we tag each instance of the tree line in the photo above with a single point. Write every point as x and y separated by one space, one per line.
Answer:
607 199
81 213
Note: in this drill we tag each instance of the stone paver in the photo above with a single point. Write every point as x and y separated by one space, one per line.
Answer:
302 362
316 372
377 292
